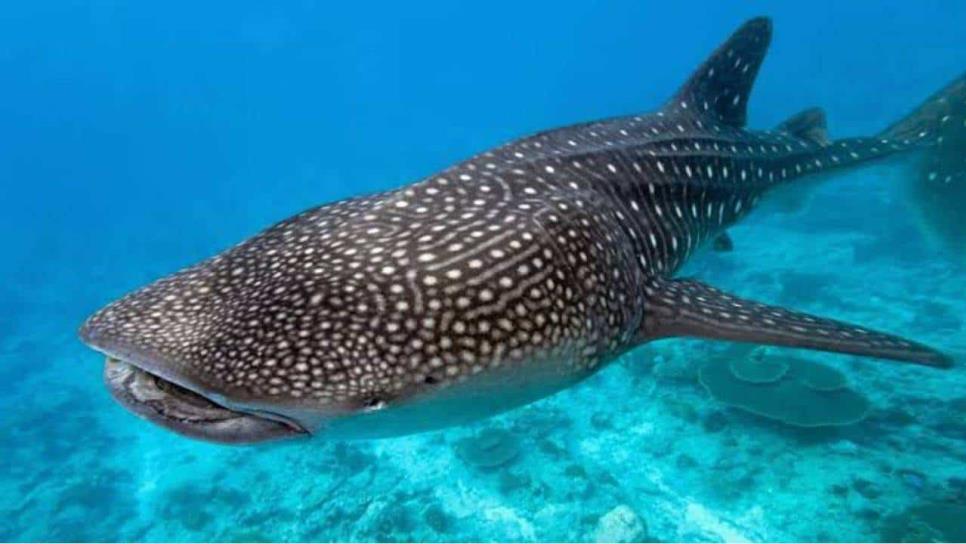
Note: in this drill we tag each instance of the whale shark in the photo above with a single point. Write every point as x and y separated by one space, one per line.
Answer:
936 189
498 281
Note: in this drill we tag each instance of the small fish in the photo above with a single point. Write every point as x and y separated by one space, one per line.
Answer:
723 243
491 284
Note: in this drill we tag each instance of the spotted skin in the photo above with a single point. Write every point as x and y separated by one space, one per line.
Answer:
524 268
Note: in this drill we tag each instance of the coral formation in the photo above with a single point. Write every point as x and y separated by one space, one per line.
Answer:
818 377
794 391
755 370
930 522
488 449
621 524
667 366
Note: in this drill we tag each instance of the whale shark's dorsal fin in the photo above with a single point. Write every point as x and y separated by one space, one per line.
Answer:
720 87
809 125
688 308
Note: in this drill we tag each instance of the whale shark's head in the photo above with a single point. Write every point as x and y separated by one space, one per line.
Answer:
303 322
362 306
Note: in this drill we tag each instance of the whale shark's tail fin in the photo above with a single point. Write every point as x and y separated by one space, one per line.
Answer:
937 186
721 86
688 308
937 112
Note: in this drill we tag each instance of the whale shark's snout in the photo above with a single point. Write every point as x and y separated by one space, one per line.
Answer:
186 412
288 333
186 409
182 354
156 388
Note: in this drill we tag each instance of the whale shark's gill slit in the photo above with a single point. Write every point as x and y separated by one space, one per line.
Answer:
688 308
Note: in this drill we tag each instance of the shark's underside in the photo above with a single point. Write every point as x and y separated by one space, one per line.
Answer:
497 281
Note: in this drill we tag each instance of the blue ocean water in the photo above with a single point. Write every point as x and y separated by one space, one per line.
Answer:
137 138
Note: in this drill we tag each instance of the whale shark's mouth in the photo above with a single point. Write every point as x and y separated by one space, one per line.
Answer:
187 412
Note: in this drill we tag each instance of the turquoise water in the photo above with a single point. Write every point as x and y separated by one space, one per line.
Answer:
136 139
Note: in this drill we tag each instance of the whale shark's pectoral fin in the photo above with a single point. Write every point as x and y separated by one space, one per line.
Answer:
693 309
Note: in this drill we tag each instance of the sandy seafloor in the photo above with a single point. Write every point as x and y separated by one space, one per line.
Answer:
642 437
